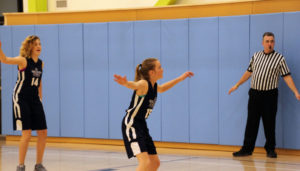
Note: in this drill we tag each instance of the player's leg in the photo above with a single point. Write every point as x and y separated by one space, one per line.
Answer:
144 161
154 162
23 146
39 124
40 146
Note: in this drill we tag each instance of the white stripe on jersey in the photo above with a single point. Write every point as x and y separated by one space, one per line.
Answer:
133 133
129 110
17 90
135 148
129 124
16 93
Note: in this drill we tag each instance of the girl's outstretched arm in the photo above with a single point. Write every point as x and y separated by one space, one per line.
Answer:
14 61
166 86
140 86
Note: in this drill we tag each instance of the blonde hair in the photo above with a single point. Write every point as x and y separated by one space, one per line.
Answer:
27 45
142 70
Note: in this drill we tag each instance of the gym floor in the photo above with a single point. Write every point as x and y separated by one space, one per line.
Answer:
89 157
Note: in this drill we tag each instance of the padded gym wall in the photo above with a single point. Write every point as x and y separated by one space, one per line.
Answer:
82 100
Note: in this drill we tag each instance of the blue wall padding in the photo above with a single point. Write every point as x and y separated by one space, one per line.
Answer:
174 58
203 88
121 62
259 25
51 89
7 82
81 99
147 44
233 62
96 80
71 80
290 106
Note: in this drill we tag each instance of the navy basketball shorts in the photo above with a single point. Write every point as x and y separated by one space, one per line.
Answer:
137 140
28 114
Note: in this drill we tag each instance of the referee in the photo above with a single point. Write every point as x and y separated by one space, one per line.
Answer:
265 67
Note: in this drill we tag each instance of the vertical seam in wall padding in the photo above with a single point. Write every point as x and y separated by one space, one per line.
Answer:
218 18
133 43
59 79
249 58
249 34
249 53
108 98
189 80
11 68
11 75
34 33
160 54
283 52
249 46
2 130
83 75
11 52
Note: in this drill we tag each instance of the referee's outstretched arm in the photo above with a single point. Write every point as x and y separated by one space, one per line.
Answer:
243 79
289 81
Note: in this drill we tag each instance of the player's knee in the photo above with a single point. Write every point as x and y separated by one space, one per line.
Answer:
42 133
26 135
158 163
155 163
146 163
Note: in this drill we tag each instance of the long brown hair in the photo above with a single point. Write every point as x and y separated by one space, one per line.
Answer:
142 70
27 45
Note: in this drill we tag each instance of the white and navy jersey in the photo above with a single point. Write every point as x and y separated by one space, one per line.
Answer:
134 127
29 80
141 106
266 69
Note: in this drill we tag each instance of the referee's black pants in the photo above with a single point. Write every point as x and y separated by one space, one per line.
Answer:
261 104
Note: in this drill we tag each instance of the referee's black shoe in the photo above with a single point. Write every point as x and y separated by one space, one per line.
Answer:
272 154
242 153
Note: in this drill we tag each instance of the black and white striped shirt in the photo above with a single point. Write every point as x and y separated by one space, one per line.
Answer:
265 70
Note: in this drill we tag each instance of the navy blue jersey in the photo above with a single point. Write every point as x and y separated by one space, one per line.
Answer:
141 106
134 127
28 110
29 79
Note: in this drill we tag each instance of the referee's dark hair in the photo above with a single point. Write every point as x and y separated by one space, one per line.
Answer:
268 34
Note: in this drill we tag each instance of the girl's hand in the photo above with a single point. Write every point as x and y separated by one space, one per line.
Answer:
121 80
297 95
187 74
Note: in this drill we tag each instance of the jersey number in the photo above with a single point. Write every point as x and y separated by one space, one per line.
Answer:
35 82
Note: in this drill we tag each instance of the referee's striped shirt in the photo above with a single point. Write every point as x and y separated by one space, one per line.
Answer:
265 70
